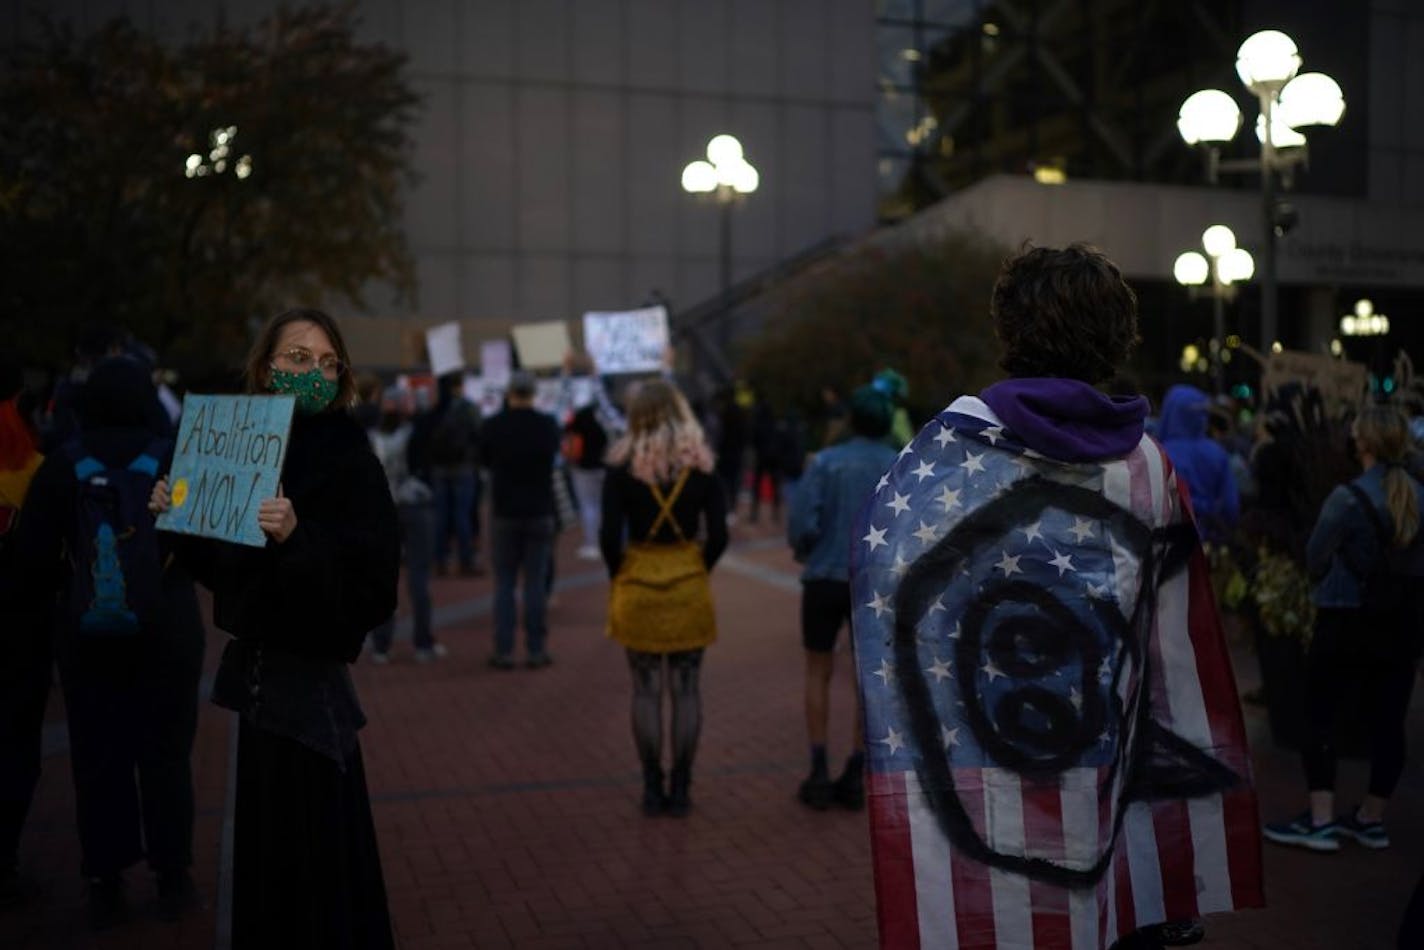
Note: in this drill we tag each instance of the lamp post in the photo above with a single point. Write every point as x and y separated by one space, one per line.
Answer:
727 177
1225 265
1269 66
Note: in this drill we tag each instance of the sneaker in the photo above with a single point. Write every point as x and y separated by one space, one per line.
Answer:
177 895
431 653
849 790
379 658
1302 832
537 661
817 791
588 553
1371 834
501 661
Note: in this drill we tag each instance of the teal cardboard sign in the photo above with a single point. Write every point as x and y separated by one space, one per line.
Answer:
227 460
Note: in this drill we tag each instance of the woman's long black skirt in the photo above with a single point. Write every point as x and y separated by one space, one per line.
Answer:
306 869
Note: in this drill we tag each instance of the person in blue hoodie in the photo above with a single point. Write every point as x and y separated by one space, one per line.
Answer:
823 512
1200 461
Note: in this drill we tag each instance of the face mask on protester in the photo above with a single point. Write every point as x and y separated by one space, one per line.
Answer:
313 390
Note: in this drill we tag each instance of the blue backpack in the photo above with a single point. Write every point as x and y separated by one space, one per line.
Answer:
115 586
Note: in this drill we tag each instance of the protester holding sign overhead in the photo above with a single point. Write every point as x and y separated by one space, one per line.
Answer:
128 640
306 870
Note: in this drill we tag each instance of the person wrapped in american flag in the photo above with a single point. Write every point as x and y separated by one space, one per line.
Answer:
1056 751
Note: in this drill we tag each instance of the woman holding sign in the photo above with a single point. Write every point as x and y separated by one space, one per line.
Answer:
306 870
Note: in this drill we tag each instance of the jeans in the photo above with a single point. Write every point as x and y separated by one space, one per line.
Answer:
588 489
527 545
417 537
454 501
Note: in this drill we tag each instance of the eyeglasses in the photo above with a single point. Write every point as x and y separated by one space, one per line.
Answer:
302 360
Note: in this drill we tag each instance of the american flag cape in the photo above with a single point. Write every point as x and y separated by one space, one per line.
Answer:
1055 745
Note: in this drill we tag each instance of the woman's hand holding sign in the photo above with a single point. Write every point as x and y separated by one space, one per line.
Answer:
159 500
277 517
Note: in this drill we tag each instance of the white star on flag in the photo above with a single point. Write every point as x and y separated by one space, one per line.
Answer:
924 470
1082 528
1105 670
892 739
900 566
972 463
993 434
1063 561
948 497
941 670
938 605
876 538
899 504
1009 565
954 632
1033 532
1075 697
948 737
925 533
884 480
879 604
887 670
1097 592
990 670
945 436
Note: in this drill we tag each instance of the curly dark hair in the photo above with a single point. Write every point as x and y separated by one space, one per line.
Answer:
1063 312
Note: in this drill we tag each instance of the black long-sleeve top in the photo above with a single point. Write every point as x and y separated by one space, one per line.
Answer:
629 511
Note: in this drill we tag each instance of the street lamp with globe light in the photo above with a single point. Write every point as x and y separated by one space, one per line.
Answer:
727 177
1224 265
1268 63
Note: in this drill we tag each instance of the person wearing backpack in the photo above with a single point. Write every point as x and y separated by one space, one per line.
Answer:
1366 556
25 677
306 866
128 641
452 451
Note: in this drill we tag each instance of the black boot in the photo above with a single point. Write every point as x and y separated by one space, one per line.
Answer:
655 801
108 906
679 803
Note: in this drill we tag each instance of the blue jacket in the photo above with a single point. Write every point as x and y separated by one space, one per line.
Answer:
834 488
1199 461
1344 537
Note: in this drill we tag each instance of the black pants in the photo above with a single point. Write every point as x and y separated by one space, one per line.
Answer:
1349 646
132 704
24 691
306 869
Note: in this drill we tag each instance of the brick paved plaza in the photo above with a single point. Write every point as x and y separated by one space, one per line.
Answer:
506 802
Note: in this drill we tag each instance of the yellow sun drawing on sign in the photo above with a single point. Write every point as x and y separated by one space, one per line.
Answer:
180 492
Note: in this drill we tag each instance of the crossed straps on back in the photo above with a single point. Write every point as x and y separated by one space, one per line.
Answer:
665 506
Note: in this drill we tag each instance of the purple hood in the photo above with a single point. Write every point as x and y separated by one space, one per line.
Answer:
1068 419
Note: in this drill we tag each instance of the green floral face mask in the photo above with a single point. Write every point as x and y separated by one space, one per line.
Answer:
313 390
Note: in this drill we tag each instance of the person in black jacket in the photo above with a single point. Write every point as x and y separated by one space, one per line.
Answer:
663 463
519 446
306 868
131 700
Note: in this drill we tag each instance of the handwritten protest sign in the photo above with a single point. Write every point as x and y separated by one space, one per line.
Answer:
228 459
495 360
542 345
442 343
1339 381
631 341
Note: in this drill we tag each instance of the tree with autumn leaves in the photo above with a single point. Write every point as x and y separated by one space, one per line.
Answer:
186 191
920 307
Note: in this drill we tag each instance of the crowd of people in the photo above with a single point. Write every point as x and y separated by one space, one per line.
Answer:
373 480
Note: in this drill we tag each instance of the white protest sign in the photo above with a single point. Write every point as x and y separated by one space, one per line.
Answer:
630 341
548 396
474 389
495 360
442 343
542 345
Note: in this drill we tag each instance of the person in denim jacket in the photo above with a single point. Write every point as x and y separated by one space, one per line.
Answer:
1352 639
823 511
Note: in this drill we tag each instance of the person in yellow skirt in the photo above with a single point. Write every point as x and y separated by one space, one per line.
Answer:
660 494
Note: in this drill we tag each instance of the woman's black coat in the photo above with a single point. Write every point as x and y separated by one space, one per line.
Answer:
299 611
